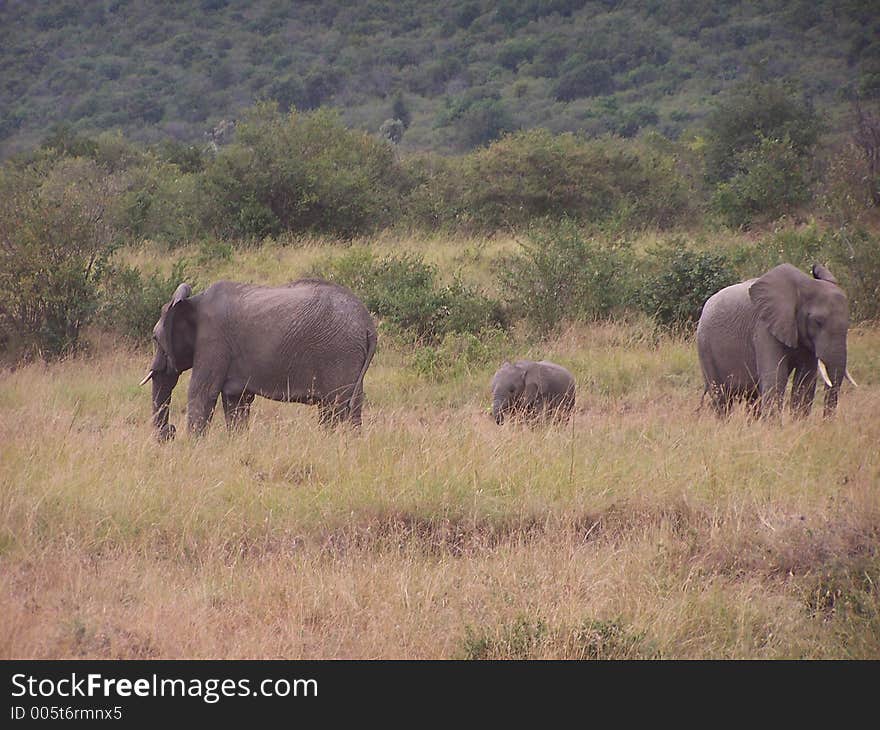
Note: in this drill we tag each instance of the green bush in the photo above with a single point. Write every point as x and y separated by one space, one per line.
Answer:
299 172
800 247
773 179
751 113
161 203
681 281
458 354
132 301
473 119
533 174
56 239
404 293
436 195
854 257
584 79
560 274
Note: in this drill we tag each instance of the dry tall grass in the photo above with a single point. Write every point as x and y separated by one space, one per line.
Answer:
641 529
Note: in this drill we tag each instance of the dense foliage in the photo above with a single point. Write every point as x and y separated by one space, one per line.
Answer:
576 126
457 74
405 294
54 242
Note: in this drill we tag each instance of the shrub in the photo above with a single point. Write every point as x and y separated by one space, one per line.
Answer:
436 195
852 254
472 120
531 638
132 301
855 261
161 203
404 293
772 180
800 247
560 275
55 239
513 52
522 638
299 172
682 280
750 113
533 174
590 78
458 354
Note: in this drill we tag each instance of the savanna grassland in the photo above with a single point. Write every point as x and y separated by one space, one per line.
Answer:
645 528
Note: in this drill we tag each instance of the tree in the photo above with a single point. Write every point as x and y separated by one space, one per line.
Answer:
867 139
55 238
751 112
392 130
591 78
400 110
759 151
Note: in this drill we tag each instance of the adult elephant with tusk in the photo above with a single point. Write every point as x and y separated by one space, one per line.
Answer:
309 342
751 337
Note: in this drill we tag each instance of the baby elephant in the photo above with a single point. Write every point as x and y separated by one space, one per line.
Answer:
532 390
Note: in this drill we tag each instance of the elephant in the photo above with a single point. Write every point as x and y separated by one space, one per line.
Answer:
310 341
751 336
532 390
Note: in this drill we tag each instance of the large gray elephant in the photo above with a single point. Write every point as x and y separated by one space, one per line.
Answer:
751 336
309 342
532 390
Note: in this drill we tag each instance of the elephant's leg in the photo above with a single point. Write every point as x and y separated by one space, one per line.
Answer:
237 409
354 412
773 373
721 399
201 401
564 410
331 414
558 409
803 391
533 401
773 391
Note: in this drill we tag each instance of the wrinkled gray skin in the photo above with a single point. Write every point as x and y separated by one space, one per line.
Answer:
532 390
308 342
753 335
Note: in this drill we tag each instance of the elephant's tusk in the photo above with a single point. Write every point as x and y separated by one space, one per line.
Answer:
850 378
146 379
824 372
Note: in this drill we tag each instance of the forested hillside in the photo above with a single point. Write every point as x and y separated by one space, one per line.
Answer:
457 74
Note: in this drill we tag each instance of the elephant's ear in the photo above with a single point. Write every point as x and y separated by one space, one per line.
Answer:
821 272
531 384
179 330
775 296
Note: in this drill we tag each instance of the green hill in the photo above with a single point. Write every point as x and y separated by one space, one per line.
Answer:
458 73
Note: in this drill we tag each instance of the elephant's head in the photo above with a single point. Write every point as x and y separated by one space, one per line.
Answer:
508 386
174 337
810 314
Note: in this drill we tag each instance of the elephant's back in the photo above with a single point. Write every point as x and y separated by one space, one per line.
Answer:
336 301
560 377
310 304
556 369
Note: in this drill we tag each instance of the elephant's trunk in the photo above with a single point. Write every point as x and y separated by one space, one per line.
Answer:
163 383
498 408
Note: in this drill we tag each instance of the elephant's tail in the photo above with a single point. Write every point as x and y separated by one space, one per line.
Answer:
358 391
702 398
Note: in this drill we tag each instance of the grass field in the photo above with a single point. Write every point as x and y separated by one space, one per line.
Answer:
645 528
